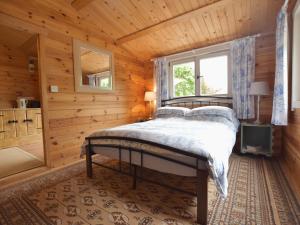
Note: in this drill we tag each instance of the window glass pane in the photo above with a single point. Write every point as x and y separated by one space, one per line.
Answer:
214 75
184 79
105 82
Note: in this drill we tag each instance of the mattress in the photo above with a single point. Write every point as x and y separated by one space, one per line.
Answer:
209 138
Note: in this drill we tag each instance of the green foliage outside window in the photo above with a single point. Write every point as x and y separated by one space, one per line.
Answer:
185 83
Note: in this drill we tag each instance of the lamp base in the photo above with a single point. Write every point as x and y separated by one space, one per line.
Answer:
257 122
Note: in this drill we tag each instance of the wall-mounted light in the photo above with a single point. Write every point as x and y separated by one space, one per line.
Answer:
31 64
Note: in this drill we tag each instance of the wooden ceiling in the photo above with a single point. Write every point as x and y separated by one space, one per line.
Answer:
150 28
20 40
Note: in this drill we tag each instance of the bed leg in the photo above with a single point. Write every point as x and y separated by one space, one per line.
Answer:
134 177
202 198
89 167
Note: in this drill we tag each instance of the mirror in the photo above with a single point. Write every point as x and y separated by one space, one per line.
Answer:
93 68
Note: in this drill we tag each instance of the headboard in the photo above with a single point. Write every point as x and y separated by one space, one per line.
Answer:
198 101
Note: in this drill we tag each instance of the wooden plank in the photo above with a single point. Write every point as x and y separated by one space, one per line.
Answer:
79 4
169 22
21 25
21 126
41 45
9 127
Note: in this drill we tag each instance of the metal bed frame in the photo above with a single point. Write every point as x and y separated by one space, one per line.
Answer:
202 174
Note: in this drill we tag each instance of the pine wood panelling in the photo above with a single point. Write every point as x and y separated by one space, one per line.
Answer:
168 26
291 153
15 80
72 116
265 70
226 21
68 117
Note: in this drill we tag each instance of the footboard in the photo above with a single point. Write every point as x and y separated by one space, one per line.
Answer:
202 174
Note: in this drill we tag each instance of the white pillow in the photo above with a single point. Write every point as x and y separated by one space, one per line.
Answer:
221 111
168 111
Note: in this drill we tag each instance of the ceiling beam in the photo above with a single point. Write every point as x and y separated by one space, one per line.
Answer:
80 4
174 20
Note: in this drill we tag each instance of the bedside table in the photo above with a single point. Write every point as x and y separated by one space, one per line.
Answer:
257 139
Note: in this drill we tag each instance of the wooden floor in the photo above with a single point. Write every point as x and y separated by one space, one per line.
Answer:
35 148
31 144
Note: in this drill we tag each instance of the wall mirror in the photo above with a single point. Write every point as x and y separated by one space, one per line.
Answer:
93 68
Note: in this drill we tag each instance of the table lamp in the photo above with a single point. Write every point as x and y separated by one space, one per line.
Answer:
259 88
149 97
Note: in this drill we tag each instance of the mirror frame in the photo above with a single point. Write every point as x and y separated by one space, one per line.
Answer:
78 72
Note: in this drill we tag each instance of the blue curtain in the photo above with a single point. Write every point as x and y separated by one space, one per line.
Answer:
161 78
280 97
243 72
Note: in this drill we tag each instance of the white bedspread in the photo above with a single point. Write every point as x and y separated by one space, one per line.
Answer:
211 139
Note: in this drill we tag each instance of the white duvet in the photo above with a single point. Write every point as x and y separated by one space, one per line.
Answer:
212 138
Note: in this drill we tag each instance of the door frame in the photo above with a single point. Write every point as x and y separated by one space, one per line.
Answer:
41 32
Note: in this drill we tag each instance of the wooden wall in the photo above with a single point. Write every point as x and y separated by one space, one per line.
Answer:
15 80
265 71
72 116
291 151
68 117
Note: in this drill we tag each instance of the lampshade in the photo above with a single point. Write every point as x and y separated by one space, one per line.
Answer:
259 88
149 96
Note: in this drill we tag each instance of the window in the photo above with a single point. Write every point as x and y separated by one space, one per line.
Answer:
184 79
214 75
202 75
102 80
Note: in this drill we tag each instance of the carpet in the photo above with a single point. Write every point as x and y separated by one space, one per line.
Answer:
14 160
258 194
21 211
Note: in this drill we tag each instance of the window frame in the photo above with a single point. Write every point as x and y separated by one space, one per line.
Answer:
295 103
171 77
196 59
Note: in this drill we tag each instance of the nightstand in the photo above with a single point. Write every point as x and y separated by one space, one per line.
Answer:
256 139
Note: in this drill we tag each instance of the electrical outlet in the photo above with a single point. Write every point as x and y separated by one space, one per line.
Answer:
53 88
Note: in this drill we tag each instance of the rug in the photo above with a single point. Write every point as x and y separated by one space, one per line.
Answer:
258 194
14 160
21 211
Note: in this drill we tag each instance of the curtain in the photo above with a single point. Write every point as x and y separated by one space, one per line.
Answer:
161 80
243 72
280 97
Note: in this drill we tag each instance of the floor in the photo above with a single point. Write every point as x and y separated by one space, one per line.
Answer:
32 145
36 149
258 194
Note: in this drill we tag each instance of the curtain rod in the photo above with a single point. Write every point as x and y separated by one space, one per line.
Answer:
222 43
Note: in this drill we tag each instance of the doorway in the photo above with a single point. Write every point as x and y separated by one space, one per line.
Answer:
21 130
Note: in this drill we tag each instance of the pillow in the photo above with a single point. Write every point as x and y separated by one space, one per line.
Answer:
167 111
220 111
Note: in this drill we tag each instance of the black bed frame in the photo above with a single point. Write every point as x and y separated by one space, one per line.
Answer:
202 174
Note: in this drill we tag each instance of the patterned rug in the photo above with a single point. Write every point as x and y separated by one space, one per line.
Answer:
258 194
21 211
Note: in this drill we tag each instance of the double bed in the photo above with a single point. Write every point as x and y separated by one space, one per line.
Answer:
186 142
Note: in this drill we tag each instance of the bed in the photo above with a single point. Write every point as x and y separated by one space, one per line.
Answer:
182 141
